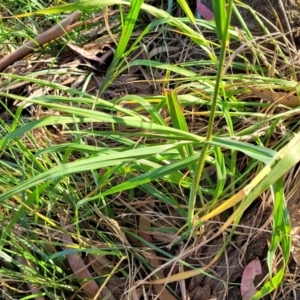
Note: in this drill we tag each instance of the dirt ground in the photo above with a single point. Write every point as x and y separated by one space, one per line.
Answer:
273 13
250 241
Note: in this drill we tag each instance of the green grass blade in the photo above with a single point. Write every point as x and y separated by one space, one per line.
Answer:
219 10
21 211
127 29
110 159
281 239
262 154
186 8
178 119
221 174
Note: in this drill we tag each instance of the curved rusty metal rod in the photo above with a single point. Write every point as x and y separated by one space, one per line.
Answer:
51 34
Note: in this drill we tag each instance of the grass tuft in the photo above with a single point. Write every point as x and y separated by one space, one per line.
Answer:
145 169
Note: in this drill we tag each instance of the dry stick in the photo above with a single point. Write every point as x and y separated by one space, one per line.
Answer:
51 34
287 21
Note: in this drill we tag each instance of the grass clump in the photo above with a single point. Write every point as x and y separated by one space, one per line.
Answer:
136 168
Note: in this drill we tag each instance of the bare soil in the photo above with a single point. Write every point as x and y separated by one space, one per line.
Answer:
249 242
272 13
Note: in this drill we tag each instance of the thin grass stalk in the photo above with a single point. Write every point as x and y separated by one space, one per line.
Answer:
223 35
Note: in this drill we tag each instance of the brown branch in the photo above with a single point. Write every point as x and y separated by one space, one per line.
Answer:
51 34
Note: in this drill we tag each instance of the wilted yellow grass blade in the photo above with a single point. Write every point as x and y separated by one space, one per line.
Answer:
239 196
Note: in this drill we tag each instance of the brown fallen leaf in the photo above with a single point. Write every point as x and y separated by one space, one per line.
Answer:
204 11
287 99
83 275
253 269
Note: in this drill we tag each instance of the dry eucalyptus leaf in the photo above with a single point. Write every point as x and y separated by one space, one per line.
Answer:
204 11
80 270
248 289
275 97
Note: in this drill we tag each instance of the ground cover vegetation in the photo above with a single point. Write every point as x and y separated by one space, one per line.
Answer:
146 153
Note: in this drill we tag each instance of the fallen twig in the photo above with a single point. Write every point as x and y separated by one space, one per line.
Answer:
51 34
